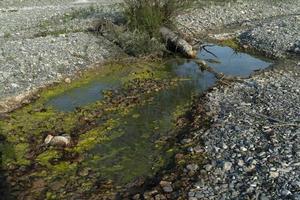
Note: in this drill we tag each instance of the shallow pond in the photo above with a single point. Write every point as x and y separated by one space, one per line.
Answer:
133 145
133 152
228 61
83 95
224 59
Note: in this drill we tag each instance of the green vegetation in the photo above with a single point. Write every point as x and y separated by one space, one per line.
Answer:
232 43
140 35
149 15
24 130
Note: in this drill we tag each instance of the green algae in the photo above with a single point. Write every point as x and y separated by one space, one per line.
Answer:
63 169
45 157
14 155
101 145
33 120
117 161
232 43
95 136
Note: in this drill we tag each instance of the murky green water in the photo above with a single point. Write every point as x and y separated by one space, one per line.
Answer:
84 95
133 150
227 61
134 153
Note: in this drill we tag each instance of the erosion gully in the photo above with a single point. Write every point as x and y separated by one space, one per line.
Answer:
121 120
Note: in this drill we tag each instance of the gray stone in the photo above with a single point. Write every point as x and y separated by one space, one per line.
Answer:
227 166
192 167
168 189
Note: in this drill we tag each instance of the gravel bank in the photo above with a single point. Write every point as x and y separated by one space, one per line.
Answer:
31 62
268 26
254 142
45 41
238 14
277 37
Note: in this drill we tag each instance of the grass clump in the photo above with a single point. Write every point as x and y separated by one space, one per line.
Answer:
149 15
139 35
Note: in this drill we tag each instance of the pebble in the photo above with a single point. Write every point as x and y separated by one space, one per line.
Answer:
67 80
63 140
166 186
241 163
208 167
227 166
274 174
192 167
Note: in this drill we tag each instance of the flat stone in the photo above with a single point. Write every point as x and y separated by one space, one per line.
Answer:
168 189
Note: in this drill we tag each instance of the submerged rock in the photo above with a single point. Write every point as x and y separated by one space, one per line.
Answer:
166 186
64 140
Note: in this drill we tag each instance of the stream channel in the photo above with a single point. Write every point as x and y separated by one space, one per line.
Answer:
132 149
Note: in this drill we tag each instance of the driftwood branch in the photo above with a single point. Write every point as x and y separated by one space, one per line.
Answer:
205 49
176 44
222 78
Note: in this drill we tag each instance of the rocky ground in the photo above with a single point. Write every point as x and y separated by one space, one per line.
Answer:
46 41
275 36
253 144
269 26
251 148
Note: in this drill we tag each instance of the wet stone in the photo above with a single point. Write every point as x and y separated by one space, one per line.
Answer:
198 149
166 186
191 194
208 167
263 197
192 167
136 197
57 185
84 172
160 197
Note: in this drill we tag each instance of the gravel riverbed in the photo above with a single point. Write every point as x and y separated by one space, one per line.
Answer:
45 41
279 36
253 145
268 26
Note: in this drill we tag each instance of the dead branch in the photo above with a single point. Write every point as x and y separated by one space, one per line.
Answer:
177 44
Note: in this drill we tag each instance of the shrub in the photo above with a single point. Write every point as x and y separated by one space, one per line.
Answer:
149 15
140 36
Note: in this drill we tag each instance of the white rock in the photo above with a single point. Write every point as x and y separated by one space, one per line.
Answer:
227 166
67 80
63 140
243 149
274 174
